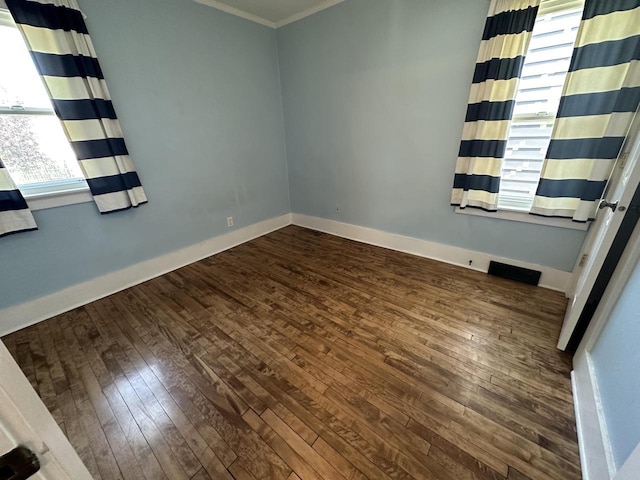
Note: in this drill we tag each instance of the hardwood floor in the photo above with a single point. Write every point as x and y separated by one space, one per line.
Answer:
300 355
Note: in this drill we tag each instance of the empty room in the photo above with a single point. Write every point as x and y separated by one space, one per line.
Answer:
319 239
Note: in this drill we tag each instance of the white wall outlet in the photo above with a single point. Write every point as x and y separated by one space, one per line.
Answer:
229 221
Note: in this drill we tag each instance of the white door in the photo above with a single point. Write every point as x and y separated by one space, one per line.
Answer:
25 421
620 190
606 386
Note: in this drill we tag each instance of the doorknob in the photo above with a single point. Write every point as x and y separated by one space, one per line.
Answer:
605 204
18 464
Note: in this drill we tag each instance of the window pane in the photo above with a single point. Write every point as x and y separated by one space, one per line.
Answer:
537 99
33 146
526 148
19 80
34 149
547 62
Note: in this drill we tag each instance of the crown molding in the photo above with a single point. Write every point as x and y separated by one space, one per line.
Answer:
237 12
263 21
309 11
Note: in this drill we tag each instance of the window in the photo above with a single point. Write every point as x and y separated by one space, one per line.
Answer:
33 146
537 99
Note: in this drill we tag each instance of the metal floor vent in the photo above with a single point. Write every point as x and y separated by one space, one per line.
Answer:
519 274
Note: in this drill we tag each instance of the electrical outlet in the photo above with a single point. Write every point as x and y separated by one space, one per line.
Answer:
583 260
229 221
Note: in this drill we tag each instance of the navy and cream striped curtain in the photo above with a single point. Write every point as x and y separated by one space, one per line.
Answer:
57 37
15 215
600 96
504 44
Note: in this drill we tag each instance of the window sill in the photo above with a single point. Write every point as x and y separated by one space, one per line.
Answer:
42 201
519 216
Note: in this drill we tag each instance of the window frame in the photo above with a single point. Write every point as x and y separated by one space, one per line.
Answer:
525 217
43 195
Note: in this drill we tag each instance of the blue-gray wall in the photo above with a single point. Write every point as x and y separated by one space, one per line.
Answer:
374 95
198 96
616 356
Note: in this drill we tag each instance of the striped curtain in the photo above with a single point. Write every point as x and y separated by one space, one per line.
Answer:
600 96
504 44
15 216
56 35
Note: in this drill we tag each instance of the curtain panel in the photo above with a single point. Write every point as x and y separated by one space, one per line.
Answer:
61 48
504 44
600 97
15 215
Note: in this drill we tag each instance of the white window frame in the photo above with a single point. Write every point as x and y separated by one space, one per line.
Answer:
525 217
57 194
45 195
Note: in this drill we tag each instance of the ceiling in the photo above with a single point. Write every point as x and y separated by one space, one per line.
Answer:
272 13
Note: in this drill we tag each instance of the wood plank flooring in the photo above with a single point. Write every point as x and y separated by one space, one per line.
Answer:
302 356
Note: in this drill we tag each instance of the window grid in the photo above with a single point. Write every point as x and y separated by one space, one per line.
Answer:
537 99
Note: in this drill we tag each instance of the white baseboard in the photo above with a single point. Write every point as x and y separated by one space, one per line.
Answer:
551 278
31 312
596 458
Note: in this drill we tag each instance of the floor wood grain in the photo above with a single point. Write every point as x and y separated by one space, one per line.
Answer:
302 356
